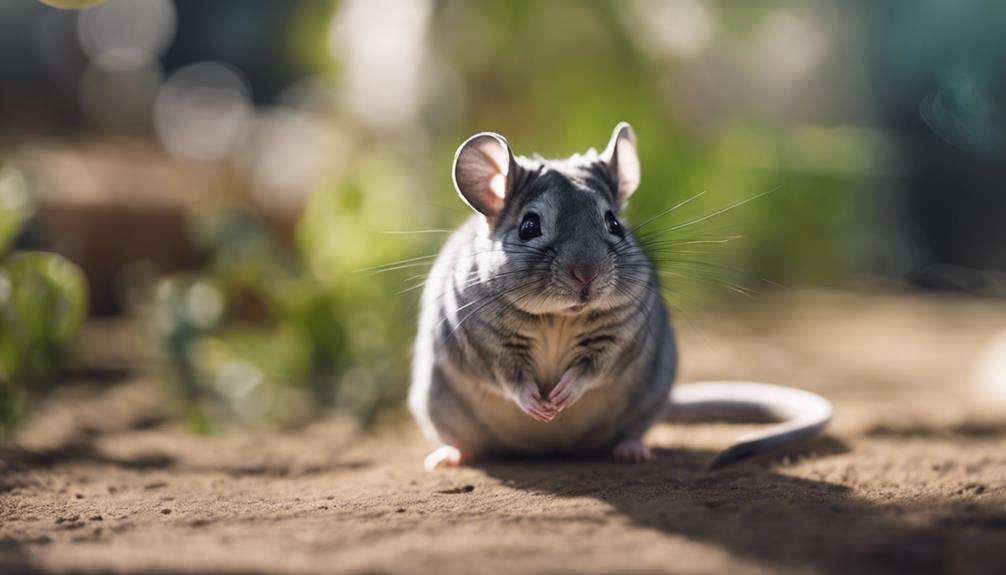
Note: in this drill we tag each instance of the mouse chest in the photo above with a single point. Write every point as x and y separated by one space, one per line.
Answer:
554 348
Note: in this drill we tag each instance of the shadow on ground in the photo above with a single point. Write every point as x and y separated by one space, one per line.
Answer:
756 511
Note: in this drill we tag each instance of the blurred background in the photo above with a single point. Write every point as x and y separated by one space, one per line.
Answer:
234 197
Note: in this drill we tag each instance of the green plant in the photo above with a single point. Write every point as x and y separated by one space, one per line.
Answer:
43 301
277 334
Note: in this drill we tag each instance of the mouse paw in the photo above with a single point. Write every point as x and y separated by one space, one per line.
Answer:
530 401
566 393
633 450
444 456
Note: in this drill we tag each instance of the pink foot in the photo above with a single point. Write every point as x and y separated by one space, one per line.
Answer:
530 402
633 450
565 393
444 456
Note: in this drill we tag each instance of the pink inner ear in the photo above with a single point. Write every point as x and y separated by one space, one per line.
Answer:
628 167
480 172
498 185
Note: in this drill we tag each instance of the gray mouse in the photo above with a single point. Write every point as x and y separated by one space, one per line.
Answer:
543 329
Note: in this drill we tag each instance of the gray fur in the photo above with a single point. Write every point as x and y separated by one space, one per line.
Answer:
500 313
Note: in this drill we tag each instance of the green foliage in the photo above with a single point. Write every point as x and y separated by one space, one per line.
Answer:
15 207
306 328
283 335
43 301
43 298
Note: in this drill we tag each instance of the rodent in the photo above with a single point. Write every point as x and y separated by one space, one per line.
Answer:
543 328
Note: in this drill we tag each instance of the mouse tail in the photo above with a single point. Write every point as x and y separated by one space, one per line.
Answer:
800 414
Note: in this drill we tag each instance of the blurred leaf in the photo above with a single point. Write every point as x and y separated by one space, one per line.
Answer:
72 4
12 407
43 301
15 206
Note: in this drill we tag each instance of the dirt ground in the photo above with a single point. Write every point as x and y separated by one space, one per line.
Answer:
911 478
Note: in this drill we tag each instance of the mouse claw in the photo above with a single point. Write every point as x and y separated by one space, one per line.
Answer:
530 401
566 393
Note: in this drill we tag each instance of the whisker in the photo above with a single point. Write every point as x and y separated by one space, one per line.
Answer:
405 232
471 278
424 260
734 287
722 210
491 300
391 264
633 230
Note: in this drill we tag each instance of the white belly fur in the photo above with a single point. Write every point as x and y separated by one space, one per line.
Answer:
553 351
570 430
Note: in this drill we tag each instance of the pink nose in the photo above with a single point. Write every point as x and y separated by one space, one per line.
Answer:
583 274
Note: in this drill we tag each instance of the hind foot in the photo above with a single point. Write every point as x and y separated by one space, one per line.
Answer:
444 456
633 450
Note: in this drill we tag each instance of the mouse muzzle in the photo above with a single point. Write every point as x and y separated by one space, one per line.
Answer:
584 275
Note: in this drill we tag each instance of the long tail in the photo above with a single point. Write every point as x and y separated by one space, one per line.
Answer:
802 414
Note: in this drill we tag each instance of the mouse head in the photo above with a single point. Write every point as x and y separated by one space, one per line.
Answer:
553 239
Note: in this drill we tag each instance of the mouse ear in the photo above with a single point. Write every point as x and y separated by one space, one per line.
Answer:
622 160
482 166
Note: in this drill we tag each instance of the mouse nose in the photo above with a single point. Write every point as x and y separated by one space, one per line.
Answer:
583 273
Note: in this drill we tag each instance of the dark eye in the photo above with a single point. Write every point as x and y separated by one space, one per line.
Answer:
530 226
614 226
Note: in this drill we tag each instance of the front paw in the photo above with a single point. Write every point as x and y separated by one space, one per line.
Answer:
567 392
530 401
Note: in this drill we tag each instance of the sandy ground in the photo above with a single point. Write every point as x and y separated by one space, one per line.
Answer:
912 477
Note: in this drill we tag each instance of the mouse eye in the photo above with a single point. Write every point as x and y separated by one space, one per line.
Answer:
614 226
530 226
